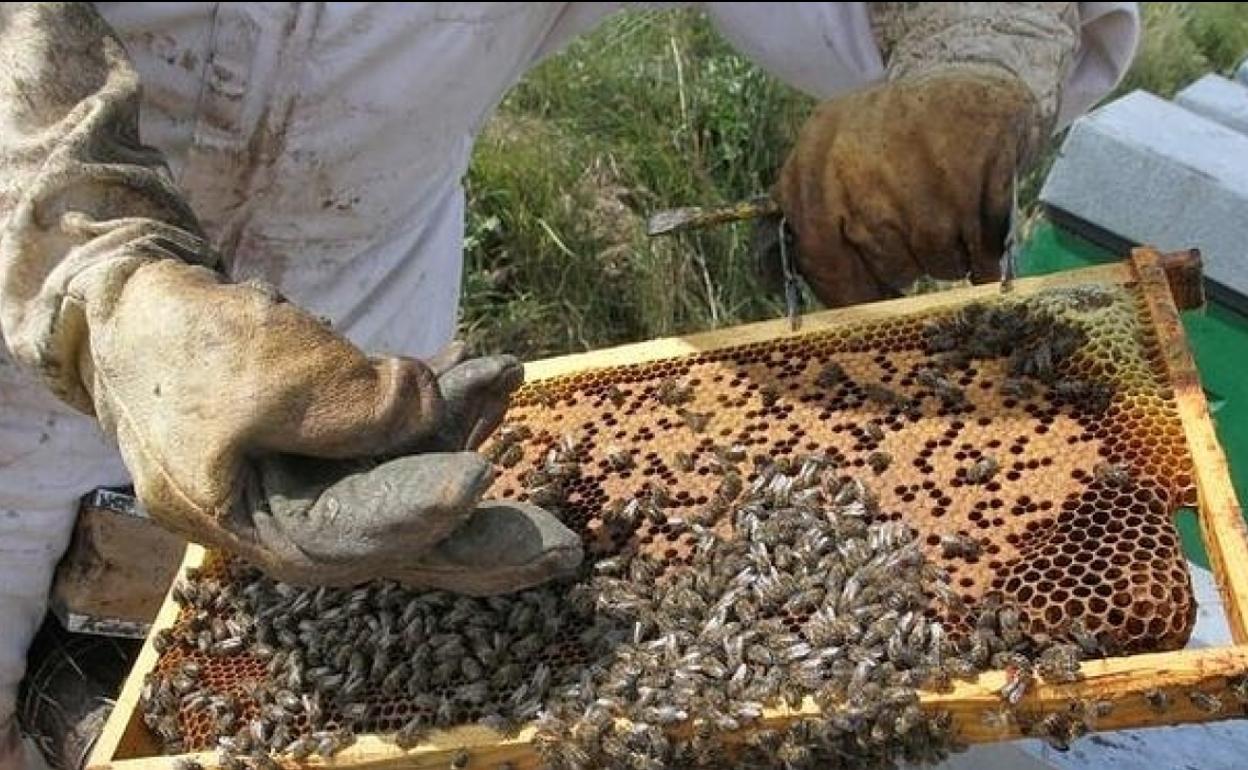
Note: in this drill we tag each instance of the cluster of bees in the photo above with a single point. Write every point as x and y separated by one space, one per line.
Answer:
1034 342
812 598
809 599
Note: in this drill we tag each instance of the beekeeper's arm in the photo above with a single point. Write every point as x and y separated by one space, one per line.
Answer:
246 423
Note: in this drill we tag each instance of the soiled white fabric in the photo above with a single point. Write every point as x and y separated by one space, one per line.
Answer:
322 147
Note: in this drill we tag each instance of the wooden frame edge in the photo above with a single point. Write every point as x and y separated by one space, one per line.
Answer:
1218 510
1121 681
767 331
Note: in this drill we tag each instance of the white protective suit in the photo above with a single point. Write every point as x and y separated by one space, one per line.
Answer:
322 147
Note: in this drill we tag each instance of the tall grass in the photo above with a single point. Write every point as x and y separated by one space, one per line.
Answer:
652 111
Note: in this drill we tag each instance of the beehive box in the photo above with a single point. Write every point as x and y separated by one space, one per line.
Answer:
1057 540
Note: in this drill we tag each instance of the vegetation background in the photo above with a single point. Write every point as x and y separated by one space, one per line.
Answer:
651 111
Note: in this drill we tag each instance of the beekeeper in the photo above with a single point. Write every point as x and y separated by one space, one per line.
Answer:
230 248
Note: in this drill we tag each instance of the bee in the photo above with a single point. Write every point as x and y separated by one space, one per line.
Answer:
959 546
471 669
1060 664
1158 700
1017 680
929 377
545 396
697 421
950 395
260 760
1092 396
946 334
1093 710
1008 621
983 470
511 456
1088 642
328 744
729 487
1206 702
514 432
673 393
879 461
1239 688
446 713
616 396
873 431
1017 387
227 646
882 394
301 748
793 752
474 693
497 723
769 394
413 732
230 762
620 515
856 492
1112 474
547 496
163 641
831 375
1054 729
620 459
948 595
683 461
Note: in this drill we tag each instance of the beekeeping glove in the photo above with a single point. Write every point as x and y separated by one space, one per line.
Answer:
246 424
913 177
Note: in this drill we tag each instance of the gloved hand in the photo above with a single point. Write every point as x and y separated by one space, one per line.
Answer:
913 177
249 425
907 179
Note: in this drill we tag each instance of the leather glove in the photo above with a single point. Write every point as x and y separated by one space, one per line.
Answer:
907 179
246 424
250 426
913 177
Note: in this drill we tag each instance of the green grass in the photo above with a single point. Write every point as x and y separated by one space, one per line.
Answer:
654 111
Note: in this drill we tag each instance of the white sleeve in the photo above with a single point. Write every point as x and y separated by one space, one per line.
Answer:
1108 36
821 48
828 48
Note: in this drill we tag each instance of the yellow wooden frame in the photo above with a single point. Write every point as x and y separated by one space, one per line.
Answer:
125 743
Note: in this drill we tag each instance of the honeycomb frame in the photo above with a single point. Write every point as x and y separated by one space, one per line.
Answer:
126 745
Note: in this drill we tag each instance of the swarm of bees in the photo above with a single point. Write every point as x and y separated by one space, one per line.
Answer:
982 470
710 646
